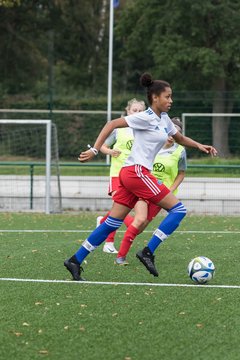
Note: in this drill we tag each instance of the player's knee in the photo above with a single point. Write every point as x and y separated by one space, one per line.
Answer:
140 221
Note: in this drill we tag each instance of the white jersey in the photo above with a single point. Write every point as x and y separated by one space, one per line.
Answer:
150 134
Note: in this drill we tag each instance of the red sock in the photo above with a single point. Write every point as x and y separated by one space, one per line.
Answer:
128 220
111 236
127 240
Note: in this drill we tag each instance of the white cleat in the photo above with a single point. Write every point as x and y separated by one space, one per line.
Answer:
99 218
109 248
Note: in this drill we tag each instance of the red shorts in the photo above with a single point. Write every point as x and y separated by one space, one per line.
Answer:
153 209
136 182
114 183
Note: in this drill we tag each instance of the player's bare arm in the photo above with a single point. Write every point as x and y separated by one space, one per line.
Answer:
108 151
105 132
188 142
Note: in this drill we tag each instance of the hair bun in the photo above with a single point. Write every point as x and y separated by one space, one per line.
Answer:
146 80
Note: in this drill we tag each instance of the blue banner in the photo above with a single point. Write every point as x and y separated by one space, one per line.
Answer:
116 3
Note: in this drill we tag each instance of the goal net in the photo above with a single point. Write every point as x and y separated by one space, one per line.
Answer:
29 166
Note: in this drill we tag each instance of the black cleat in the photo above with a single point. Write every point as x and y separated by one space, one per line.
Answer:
147 258
75 269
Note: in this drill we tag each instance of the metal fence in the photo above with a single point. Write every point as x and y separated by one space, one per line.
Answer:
205 190
77 128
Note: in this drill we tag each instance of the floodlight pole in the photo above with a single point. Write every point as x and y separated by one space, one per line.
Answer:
48 166
110 61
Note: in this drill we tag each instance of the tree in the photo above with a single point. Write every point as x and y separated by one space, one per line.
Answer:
22 62
81 44
9 3
193 44
38 38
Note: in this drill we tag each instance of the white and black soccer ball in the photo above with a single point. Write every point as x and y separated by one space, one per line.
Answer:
201 269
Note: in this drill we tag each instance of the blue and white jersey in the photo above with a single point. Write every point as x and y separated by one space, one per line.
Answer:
150 134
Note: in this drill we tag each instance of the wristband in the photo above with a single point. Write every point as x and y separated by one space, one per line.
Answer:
94 150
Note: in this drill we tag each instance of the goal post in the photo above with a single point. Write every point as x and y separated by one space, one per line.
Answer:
32 142
219 129
185 115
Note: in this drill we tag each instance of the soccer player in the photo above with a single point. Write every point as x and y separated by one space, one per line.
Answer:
169 167
119 145
151 129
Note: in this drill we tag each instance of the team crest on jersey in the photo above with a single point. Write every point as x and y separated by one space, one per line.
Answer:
158 167
149 111
129 144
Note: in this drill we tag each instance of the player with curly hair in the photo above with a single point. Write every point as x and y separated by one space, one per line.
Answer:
151 129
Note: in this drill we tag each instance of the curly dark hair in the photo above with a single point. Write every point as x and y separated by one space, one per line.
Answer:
154 87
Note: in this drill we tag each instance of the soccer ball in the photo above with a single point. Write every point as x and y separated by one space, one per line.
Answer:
201 269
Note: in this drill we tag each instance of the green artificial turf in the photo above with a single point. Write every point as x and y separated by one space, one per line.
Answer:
128 317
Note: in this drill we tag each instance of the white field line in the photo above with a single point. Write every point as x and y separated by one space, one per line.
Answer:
121 283
122 231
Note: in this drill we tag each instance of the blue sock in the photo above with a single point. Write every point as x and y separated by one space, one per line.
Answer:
167 226
97 237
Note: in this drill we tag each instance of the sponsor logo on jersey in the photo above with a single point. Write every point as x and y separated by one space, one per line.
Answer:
129 144
158 167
